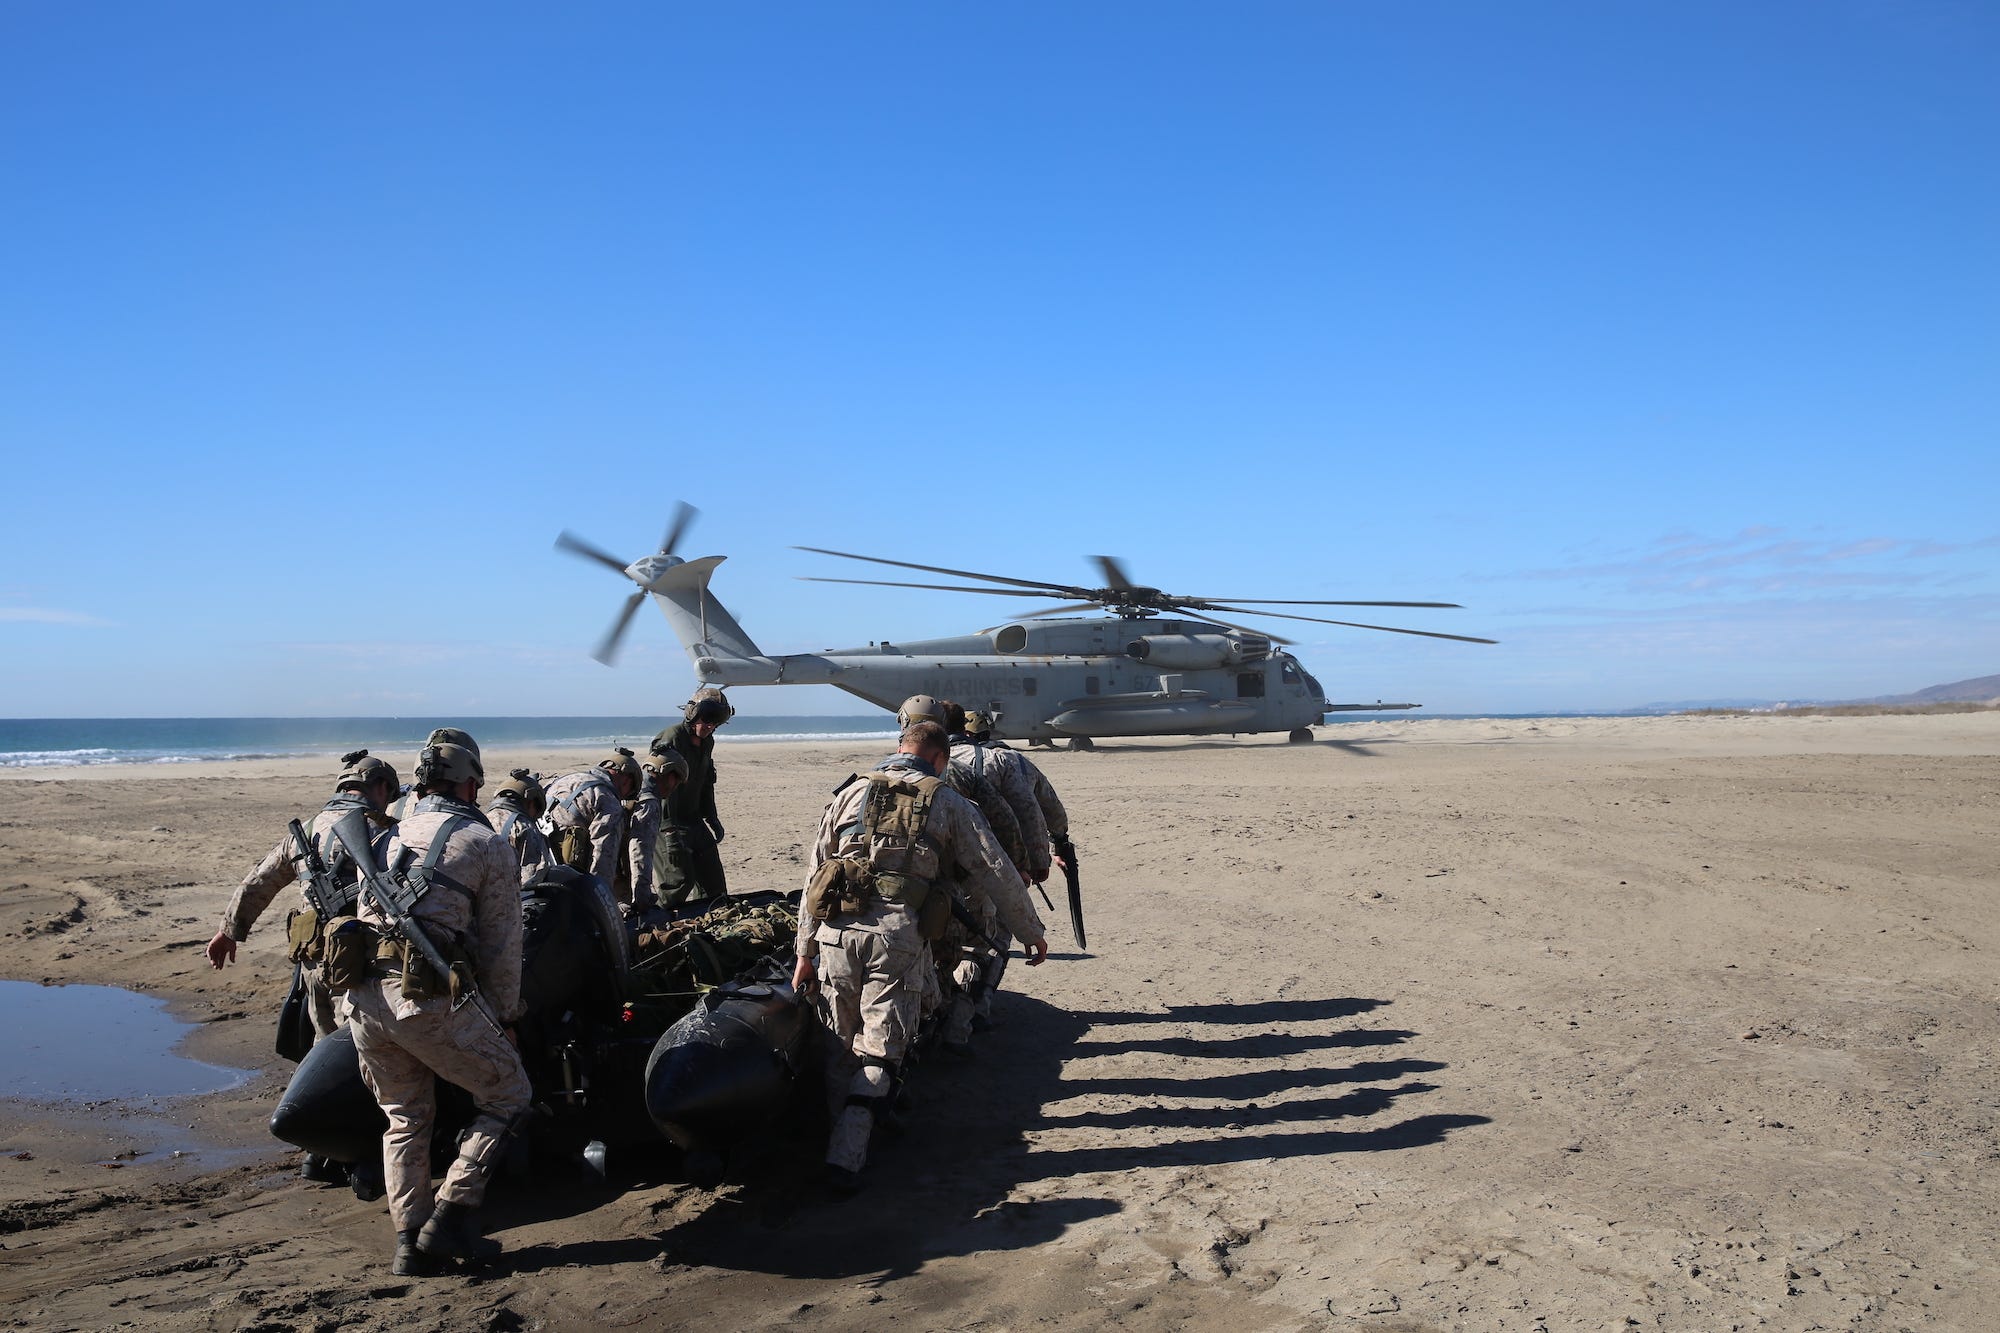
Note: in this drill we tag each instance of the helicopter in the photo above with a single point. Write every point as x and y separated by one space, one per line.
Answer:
1156 665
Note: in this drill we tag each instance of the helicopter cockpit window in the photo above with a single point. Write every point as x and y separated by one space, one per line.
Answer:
1010 638
1292 674
1250 685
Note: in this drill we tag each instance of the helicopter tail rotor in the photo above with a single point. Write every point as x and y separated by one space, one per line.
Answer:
607 647
642 572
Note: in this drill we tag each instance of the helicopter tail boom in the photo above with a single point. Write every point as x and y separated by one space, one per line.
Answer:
723 653
702 624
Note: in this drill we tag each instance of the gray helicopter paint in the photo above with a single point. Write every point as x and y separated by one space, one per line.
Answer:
1042 680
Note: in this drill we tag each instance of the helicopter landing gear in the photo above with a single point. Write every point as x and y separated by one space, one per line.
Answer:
1301 736
1082 743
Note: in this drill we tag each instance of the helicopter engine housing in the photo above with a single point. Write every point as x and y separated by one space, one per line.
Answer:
1197 652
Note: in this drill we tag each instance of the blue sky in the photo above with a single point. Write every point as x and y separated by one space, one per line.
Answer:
1662 336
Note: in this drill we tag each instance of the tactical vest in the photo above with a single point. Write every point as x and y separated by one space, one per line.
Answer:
357 950
902 860
305 933
898 862
569 843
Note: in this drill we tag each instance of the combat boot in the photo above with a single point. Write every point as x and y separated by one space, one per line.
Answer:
453 1233
365 1178
411 1261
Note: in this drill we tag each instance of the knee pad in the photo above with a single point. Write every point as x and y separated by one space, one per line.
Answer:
871 1084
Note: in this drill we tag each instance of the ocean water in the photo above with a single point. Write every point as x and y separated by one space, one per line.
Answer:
70 742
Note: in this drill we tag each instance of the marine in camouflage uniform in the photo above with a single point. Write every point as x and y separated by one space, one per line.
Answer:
867 965
406 798
472 910
517 803
963 960
979 729
686 863
664 771
593 800
365 784
1007 771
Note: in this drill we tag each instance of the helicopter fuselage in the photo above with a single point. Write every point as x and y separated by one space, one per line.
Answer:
1097 676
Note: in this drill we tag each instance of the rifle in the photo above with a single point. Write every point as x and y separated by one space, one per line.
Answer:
1066 849
394 896
970 922
996 961
327 899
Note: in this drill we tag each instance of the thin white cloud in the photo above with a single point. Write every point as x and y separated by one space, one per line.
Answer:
39 615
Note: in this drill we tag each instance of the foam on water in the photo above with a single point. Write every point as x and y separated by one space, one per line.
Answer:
34 743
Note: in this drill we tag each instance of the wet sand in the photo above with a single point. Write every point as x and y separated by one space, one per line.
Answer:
1665 1023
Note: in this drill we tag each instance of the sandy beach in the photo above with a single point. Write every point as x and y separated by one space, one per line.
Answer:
1665 1023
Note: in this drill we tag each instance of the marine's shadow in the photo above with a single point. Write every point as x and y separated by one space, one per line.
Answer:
981 1131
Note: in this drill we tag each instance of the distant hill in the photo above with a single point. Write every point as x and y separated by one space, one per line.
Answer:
1978 690
1983 691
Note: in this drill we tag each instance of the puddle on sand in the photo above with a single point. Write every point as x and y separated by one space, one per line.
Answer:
85 1044
95 1066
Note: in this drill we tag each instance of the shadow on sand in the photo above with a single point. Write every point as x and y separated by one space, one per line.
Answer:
947 1185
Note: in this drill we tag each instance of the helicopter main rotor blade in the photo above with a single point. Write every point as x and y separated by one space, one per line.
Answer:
1386 629
1043 612
936 587
684 514
1285 601
1241 629
1114 572
608 647
576 545
1062 589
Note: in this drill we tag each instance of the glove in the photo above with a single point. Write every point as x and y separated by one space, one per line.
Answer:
714 828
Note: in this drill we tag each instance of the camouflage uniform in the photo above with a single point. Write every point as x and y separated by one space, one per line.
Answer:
686 863
1007 772
951 951
1053 813
404 1044
512 823
642 830
587 800
993 808
279 868
870 964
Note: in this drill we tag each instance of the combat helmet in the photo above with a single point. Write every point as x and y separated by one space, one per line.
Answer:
708 705
453 736
978 723
526 789
358 770
665 760
446 764
920 708
621 760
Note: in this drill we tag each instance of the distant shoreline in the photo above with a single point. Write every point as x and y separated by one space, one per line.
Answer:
1844 710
